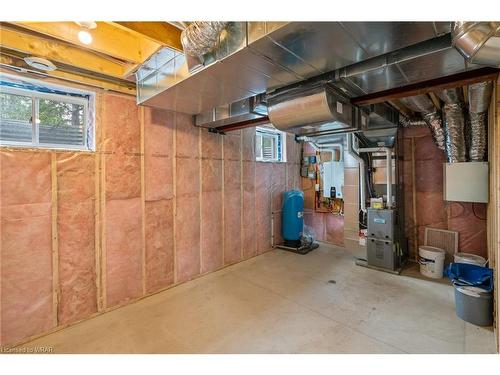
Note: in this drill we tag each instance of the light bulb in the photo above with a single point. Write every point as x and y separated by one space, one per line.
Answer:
84 37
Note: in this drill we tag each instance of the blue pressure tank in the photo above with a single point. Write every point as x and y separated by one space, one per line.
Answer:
292 219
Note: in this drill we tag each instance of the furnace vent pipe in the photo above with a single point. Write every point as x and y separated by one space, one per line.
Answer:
388 155
479 95
453 113
201 37
362 186
424 105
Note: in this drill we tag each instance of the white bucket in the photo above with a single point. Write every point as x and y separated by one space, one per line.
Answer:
431 260
469 259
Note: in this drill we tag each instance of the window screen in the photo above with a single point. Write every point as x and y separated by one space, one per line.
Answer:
269 144
33 115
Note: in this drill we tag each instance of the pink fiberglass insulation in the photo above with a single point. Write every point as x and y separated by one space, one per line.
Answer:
248 144
25 178
211 215
123 176
232 145
121 125
158 132
124 245
432 211
187 229
26 245
263 191
186 136
76 236
248 224
159 244
469 219
187 237
316 221
232 211
211 145
158 177
334 229
158 158
279 186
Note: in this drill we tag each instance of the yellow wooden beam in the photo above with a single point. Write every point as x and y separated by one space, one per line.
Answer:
160 32
59 52
107 39
122 87
401 108
435 100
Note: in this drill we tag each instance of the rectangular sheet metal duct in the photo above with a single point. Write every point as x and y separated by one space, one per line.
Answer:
258 57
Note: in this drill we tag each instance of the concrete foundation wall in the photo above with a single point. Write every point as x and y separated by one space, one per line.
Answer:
160 202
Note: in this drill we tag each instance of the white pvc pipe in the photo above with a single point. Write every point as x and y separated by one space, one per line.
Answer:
362 185
388 155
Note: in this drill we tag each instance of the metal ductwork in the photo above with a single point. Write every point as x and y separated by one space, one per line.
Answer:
478 42
243 110
454 120
423 104
252 58
201 37
479 95
320 107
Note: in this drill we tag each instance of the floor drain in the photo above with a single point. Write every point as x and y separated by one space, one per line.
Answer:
332 282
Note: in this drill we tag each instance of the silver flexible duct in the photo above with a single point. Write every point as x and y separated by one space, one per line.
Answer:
435 124
406 122
479 95
201 37
453 116
431 116
452 96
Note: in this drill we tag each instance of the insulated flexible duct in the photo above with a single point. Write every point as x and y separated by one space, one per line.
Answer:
479 95
423 104
406 122
454 124
201 37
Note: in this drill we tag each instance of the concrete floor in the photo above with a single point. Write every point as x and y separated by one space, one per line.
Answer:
281 302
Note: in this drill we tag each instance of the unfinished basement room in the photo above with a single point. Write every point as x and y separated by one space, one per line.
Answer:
249 187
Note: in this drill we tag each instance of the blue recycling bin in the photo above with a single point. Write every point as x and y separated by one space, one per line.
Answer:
473 292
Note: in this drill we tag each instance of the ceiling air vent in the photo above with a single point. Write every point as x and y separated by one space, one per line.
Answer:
40 63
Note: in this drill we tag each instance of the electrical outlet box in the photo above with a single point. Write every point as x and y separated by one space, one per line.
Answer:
466 182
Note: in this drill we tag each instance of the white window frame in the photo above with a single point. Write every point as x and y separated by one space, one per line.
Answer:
34 95
282 144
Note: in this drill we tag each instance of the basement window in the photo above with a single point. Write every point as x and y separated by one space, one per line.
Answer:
270 144
37 115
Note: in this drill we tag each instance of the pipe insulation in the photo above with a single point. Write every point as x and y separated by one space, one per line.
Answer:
424 105
479 95
201 37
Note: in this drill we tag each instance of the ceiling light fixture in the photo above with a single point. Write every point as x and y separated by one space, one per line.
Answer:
84 35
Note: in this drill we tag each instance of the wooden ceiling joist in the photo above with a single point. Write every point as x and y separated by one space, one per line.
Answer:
64 53
160 32
121 86
108 39
425 87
